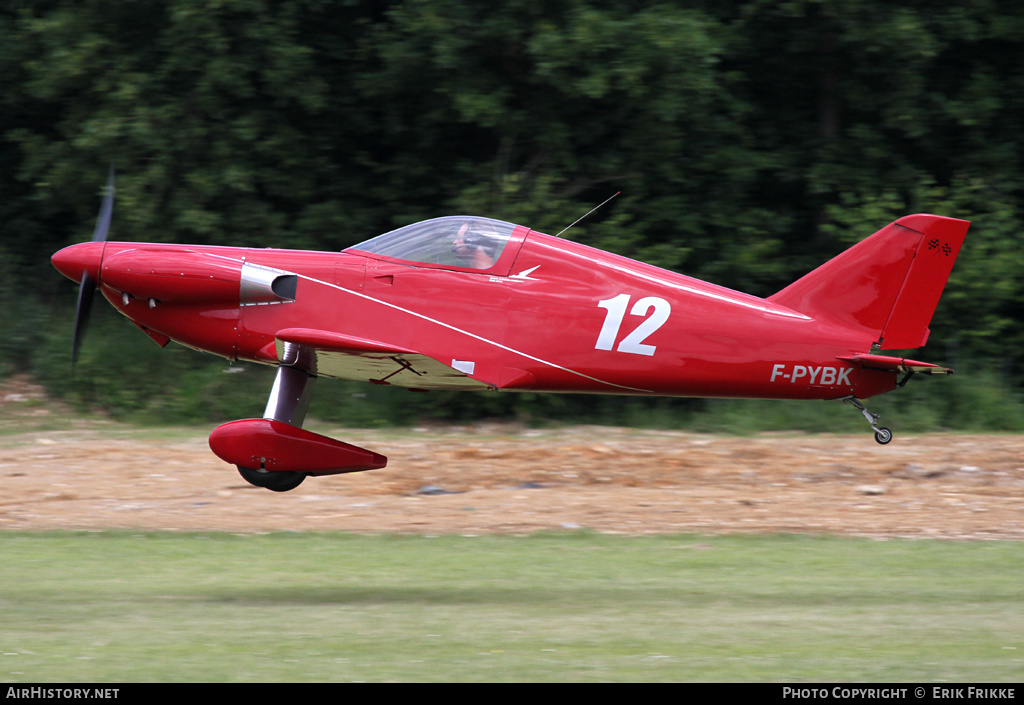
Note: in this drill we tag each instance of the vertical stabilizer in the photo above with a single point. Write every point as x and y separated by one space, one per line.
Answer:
887 285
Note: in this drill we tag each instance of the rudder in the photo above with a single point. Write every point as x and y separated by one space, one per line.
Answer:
887 285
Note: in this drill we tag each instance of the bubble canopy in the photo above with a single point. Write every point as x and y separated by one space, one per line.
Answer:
469 242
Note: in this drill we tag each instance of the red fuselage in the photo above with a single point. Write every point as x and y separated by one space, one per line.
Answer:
549 315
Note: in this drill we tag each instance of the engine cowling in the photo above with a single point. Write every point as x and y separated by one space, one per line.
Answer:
175 275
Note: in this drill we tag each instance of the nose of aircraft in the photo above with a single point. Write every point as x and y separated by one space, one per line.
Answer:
76 260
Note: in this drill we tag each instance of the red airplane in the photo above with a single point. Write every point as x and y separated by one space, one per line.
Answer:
474 303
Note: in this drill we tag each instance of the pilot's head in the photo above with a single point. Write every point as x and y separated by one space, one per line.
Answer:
475 245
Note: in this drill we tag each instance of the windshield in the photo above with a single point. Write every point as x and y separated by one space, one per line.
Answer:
452 241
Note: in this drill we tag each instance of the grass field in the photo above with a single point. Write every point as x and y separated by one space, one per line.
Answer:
125 607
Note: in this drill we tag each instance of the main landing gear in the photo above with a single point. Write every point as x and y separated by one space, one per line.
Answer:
288 402
882 434
275 452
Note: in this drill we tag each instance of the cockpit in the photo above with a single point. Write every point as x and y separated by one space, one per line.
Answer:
459 242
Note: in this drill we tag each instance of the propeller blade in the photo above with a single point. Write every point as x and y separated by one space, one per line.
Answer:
82 311
106 210
88 286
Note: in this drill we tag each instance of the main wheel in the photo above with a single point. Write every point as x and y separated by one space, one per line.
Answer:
274 481
883 435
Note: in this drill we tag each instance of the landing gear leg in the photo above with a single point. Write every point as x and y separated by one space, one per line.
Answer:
882 434
288 403
290 396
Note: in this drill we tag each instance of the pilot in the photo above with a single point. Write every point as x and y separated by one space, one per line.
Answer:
474 247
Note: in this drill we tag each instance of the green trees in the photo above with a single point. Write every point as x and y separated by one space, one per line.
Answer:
750 140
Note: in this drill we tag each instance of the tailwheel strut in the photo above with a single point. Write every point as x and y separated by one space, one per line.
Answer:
882 434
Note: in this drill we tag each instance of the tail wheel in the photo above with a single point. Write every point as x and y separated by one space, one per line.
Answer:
882 434
274 481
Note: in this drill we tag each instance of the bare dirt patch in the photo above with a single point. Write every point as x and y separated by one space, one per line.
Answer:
64 473
482 479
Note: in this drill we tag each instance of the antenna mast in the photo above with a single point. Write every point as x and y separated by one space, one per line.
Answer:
588 213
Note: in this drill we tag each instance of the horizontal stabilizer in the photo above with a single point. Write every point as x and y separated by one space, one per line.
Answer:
344 356
894 364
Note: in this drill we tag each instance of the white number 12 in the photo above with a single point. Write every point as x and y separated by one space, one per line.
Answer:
634 342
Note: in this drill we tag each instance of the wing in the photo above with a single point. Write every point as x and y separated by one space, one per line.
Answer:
348 357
